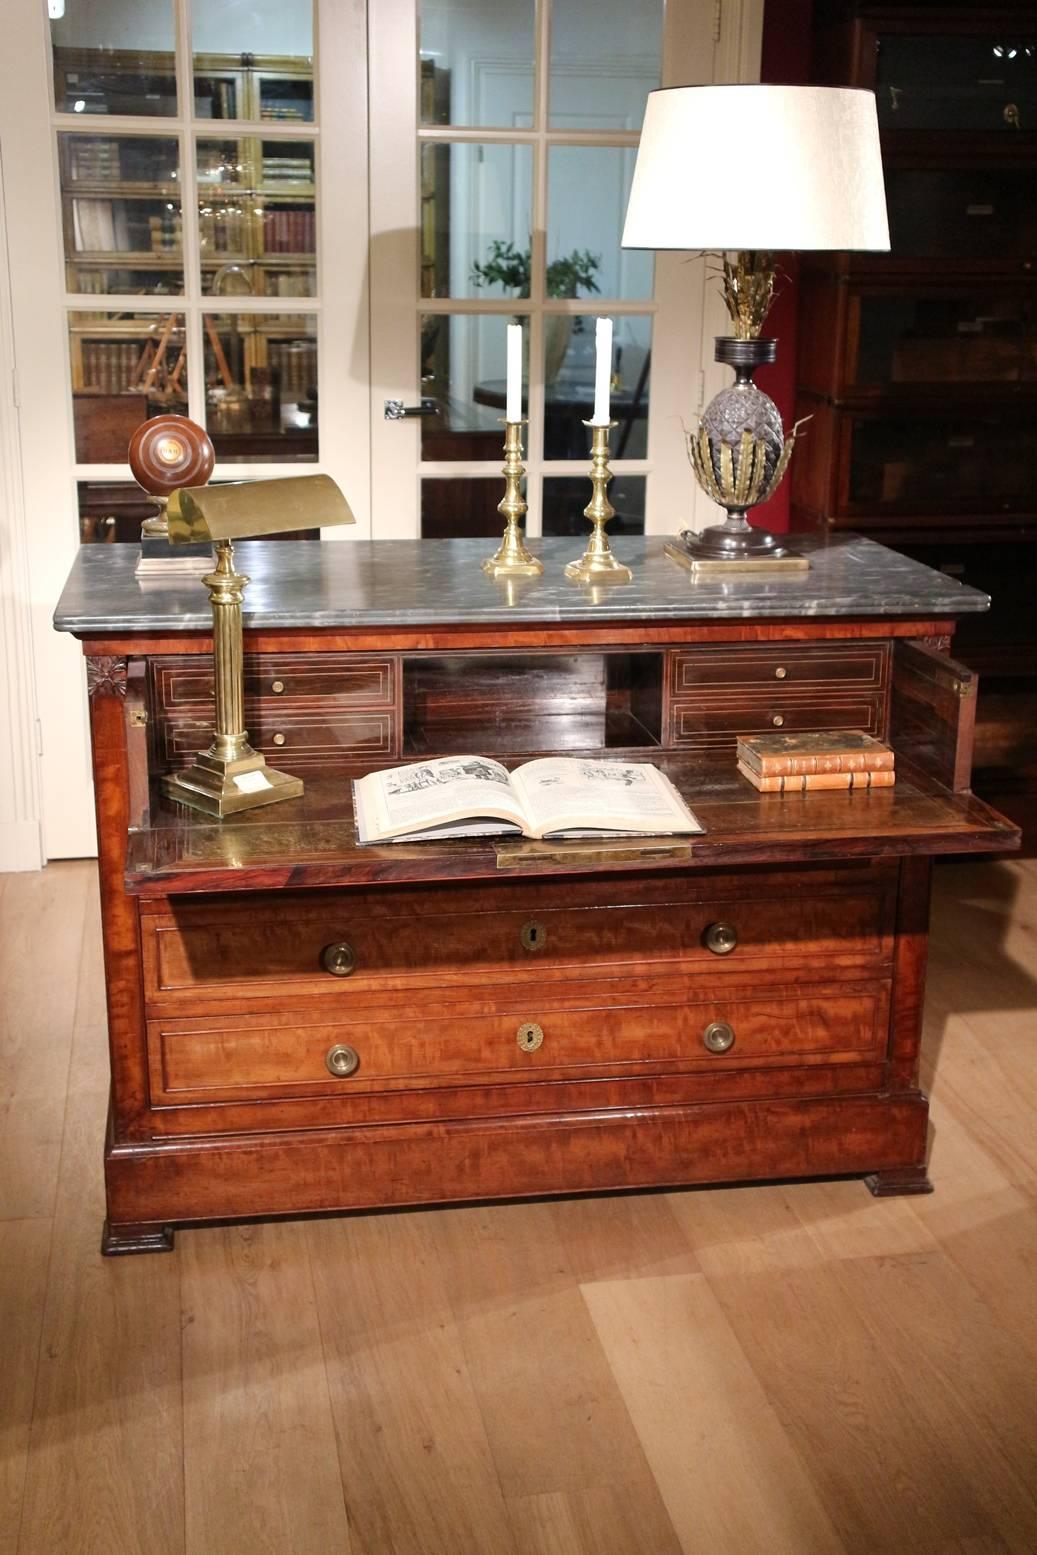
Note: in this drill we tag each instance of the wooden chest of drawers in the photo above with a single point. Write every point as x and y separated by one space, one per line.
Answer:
301 1024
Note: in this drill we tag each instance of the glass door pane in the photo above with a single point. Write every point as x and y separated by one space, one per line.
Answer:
928 82
114 59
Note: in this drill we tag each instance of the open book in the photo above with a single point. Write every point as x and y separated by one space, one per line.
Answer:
556 796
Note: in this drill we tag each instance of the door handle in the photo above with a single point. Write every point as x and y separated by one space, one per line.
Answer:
396 410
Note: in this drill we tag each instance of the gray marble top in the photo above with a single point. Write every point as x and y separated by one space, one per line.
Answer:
439 582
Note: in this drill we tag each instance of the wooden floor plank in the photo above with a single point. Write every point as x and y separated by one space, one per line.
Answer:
105 1467
416 1468
41 935
731 1478
555 1417
24 1256
260 1458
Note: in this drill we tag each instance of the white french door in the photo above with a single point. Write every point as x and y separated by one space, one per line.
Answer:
503 139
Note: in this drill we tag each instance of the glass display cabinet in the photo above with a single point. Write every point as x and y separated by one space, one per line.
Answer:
919 367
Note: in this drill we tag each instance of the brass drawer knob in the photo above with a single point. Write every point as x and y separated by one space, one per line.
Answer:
533 935
278 739
277 686
718 1037
721 938
781 672
342 1060
529 1037
777 719
339 959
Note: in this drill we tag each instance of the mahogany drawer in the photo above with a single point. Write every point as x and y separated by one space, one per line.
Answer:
201 953
815 668
299 739
339 679
716 723
292 1055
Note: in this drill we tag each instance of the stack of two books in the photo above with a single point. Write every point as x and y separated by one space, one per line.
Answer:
797 763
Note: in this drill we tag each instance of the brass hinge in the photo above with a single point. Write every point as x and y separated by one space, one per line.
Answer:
718 11
138 718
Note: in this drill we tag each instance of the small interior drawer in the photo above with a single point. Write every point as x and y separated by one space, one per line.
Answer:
341 679
283 733
809 668
717 722
295 1054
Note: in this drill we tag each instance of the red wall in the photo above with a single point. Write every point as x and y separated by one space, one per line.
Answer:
785 62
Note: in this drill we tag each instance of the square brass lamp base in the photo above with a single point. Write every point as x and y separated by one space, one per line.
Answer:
223 788
706 566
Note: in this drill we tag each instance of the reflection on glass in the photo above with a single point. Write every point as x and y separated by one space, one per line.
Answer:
953 464
957 83
114 58
256 219
565 500
452 509
120 200
253 62
476 214
124 369
587 195
606 56
978 339
261 385
969 213
476 62
569 385
463 365
111 512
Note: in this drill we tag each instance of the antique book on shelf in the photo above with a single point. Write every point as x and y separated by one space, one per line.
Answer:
804 782
558 796
790 755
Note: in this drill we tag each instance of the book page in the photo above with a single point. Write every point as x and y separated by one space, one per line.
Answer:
428 794
564 793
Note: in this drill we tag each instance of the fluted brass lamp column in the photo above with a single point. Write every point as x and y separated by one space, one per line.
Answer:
751 170
231 776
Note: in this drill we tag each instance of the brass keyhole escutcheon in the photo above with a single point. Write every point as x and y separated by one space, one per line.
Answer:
533 935
342 1060
718 1037
721 938
339 959
1010 115
529 1037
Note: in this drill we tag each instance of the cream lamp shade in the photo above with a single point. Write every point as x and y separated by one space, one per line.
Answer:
758 167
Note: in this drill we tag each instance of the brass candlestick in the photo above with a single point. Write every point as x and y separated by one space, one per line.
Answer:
230 775
512 559
598 564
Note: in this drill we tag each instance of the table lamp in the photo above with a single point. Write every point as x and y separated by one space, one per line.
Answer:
750 170
231 775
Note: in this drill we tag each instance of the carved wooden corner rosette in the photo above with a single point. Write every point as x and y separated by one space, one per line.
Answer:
105 676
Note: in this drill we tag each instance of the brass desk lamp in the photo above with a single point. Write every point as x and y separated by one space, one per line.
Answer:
231 776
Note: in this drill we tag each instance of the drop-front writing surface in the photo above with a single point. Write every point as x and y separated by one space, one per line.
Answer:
297 1023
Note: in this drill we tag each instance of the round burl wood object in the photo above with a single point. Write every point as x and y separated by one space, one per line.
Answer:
168 452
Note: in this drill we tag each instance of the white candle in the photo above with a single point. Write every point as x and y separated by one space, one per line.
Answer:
513 411
602 372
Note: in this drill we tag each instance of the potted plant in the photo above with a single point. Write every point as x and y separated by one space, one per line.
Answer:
509 267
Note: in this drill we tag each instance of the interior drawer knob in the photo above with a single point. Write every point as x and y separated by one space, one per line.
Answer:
339 959
533 935
777 719
342 1060
530 1036
277 686
721 938
718 1037
780 672
278 739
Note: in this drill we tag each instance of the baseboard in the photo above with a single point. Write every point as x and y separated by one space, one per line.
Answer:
21 847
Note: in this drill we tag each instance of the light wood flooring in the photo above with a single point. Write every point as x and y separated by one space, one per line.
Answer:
777 1369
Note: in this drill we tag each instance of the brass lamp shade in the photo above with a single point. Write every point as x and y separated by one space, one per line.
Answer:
247 510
